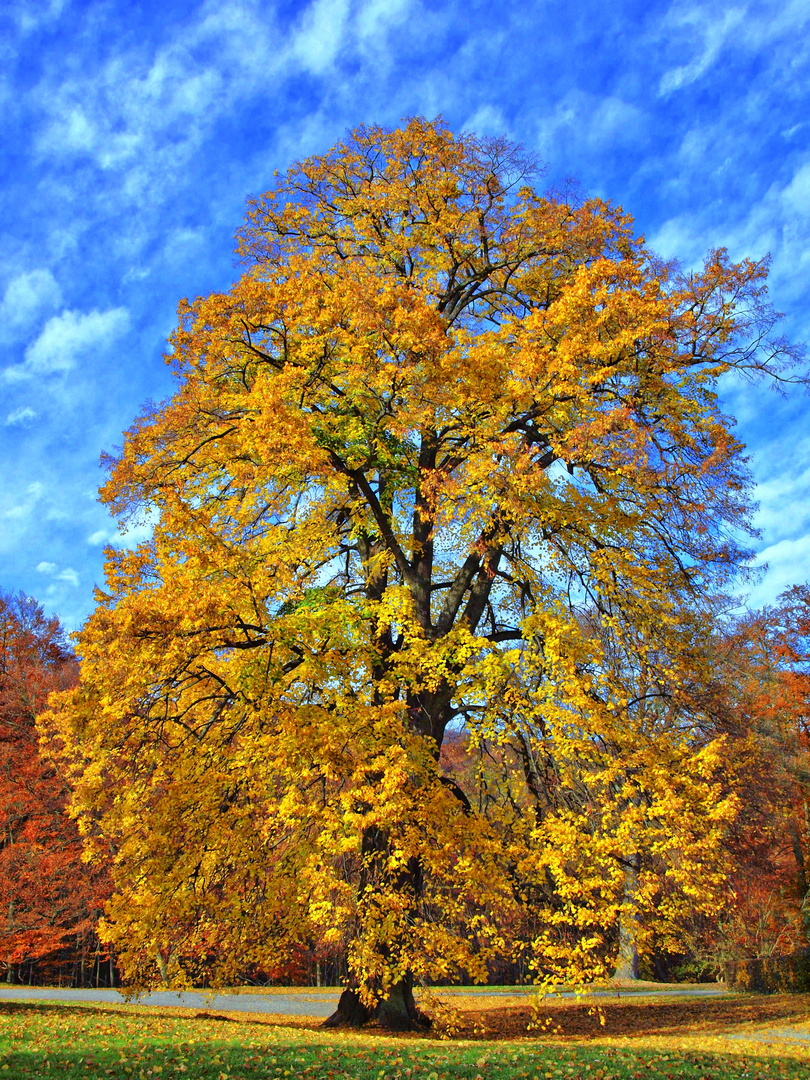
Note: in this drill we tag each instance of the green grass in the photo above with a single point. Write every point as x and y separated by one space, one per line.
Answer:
130 1043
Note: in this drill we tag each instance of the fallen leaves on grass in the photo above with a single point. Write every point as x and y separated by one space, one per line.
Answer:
597 1019
145 1043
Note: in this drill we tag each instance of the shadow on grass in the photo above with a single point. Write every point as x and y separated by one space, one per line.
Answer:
596 1019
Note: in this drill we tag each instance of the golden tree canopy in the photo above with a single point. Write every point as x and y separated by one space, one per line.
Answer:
446 450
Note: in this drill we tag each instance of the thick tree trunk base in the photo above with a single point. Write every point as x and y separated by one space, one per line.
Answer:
397 1013
627 966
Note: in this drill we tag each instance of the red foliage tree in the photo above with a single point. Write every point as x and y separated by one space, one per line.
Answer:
49 898
762 702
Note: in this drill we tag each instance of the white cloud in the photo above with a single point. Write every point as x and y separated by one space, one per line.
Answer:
680 238
77 131
796 195
33 494
780 225
760 28
51 570
320 37
377 17
783 507
149 115
20 416
146 115
65 338
788 563
27 297
783 493
129 537
183 245
135 274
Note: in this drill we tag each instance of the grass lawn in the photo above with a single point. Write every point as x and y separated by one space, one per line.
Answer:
143 1043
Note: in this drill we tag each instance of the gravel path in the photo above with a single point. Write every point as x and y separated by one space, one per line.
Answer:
321 1003
311 1002
774 1036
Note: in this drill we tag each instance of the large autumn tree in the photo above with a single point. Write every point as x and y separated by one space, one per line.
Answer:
438 417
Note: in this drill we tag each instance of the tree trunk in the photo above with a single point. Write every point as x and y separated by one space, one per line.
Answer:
627 958
10 970
798 855
397 1012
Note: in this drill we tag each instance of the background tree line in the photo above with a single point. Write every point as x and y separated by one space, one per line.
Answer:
756 694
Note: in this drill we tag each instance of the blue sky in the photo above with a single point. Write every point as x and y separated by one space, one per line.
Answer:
131 135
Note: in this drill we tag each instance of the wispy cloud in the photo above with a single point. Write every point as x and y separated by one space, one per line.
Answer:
23 508
24 415
777 224
712 31
375 19
30 17
595 122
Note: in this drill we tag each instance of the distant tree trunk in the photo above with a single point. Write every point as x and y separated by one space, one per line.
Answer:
627 958
10 969
798 855
161 963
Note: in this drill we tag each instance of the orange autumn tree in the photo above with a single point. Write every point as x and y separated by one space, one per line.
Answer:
50 899
766 709
438 415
